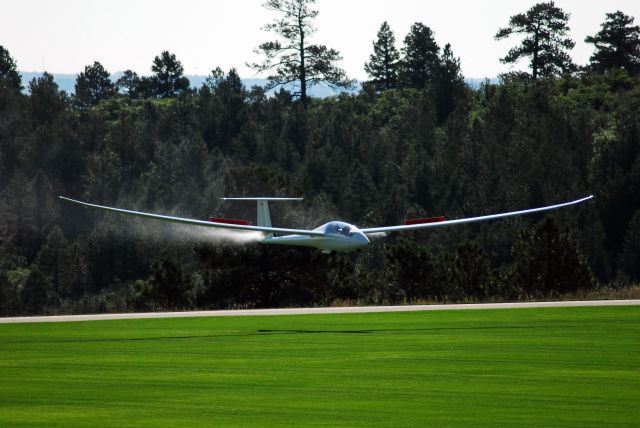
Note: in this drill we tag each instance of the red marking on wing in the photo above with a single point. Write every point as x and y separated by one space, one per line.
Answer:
424 220
228 221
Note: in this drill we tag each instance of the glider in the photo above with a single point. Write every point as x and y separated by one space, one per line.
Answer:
333 236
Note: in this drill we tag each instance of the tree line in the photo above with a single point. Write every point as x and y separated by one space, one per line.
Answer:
413 142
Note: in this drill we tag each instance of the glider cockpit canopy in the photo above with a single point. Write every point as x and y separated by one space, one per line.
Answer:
338 228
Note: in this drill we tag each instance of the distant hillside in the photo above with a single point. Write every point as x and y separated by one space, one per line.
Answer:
475 82
67 82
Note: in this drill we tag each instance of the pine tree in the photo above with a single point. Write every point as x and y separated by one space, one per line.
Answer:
617 44
46 101
52 260
169 75
129 84
546 42
384 61
93 85
36 293
449 84
420 59
472 272
292 59
630 255
169 284
9 75
547 260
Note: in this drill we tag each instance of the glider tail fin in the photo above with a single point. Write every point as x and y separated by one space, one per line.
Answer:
264 218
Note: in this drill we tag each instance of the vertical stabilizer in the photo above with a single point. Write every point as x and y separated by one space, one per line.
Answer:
264 218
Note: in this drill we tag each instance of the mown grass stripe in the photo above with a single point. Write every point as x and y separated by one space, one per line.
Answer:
542 366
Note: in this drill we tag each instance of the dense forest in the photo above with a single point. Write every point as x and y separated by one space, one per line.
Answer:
415 141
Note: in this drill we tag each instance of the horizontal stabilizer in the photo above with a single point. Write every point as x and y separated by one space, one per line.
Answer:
262 199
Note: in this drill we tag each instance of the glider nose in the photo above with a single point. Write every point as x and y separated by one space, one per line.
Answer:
361 239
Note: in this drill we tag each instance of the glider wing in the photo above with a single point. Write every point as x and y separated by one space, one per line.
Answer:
204 223
471 219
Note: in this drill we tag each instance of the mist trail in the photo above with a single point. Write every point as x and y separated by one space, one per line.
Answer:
377 235
202 233
154 230
303 217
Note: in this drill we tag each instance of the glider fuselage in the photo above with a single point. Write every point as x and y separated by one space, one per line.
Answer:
337 236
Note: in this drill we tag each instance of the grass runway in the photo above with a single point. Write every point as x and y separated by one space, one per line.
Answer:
535 367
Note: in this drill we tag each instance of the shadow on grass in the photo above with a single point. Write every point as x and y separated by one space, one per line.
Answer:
403 330
270 332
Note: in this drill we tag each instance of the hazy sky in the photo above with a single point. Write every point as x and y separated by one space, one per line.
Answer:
65 35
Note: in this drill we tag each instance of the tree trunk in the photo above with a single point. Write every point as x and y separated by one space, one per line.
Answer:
303 70
534 63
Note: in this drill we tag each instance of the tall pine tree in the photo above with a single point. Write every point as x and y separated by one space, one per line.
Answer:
617 44
93 85
169 75
449 84
546 43
129 84
420 59
9 76
383 62
291 58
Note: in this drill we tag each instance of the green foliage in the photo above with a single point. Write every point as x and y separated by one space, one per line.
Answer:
36 294
47 102
383 63
547 259
169 285
129 84
630 255
414 271
420 60
617 44
169 80
9 76
449 84
421 67
13 275
64 265
93 85
52 260
545 28
470 272
372 158
229 284
291 58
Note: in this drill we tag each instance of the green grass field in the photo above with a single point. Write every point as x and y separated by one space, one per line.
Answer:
553 367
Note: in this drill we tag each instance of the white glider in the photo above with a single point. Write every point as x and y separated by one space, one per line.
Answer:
333 236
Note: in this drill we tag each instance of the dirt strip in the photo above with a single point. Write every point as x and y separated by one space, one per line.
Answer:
309 311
